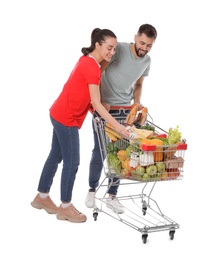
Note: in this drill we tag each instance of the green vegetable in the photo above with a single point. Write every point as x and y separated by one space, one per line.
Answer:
148 127
165 141
131 148
114 162
111 148
174 135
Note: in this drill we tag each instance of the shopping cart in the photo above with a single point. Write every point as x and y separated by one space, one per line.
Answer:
133 161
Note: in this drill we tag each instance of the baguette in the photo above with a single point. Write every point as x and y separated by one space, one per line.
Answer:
130 119
144 114
111 132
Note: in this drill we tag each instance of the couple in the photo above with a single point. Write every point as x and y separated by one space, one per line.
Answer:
108 72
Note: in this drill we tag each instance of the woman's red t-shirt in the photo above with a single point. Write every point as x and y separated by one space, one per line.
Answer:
72 105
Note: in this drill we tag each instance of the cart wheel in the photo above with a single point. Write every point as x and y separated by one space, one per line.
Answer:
144 238
171 233
144 209
95 214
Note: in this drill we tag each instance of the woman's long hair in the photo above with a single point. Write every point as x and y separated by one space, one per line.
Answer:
99 36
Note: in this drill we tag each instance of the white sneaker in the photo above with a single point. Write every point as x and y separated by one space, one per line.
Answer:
89 202
113 203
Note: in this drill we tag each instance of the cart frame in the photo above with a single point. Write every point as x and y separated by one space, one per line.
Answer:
152 219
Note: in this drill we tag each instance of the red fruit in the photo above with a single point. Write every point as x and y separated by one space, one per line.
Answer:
173 173
162 136
128 174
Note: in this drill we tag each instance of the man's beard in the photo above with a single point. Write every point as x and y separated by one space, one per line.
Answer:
142 54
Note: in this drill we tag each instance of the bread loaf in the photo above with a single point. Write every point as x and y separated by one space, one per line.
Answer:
144 114
142 133
130 119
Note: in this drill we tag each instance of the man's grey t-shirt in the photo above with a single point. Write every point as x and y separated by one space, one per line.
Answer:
122 72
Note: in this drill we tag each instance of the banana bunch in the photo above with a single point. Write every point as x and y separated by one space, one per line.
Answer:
112 134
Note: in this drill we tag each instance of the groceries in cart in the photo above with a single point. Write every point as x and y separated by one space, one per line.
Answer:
148 154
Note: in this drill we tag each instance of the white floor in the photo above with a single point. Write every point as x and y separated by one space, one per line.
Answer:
37 41
31 233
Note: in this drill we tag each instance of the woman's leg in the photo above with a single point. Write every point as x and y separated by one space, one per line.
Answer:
68 139
50 166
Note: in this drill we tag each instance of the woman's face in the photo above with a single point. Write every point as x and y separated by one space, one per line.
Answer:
108 48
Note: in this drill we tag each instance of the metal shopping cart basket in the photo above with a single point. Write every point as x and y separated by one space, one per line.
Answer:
138 161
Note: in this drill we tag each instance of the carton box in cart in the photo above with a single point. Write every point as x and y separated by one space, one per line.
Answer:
174 162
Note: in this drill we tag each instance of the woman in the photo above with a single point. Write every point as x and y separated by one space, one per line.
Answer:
67 115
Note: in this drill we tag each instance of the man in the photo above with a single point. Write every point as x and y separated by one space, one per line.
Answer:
121 84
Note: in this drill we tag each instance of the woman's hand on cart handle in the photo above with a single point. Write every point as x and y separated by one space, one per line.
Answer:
122 130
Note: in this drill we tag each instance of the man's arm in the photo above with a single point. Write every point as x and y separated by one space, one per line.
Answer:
137 92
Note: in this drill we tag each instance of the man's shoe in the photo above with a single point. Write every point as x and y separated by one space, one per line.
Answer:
47 204
113 203
71 214
89 202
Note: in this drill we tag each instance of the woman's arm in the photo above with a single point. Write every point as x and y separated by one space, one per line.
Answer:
95 99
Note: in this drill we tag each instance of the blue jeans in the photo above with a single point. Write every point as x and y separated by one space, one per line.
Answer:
65 147
96 163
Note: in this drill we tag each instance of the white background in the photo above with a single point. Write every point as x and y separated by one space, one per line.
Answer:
40 43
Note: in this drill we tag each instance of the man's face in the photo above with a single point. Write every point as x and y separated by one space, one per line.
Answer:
143 44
